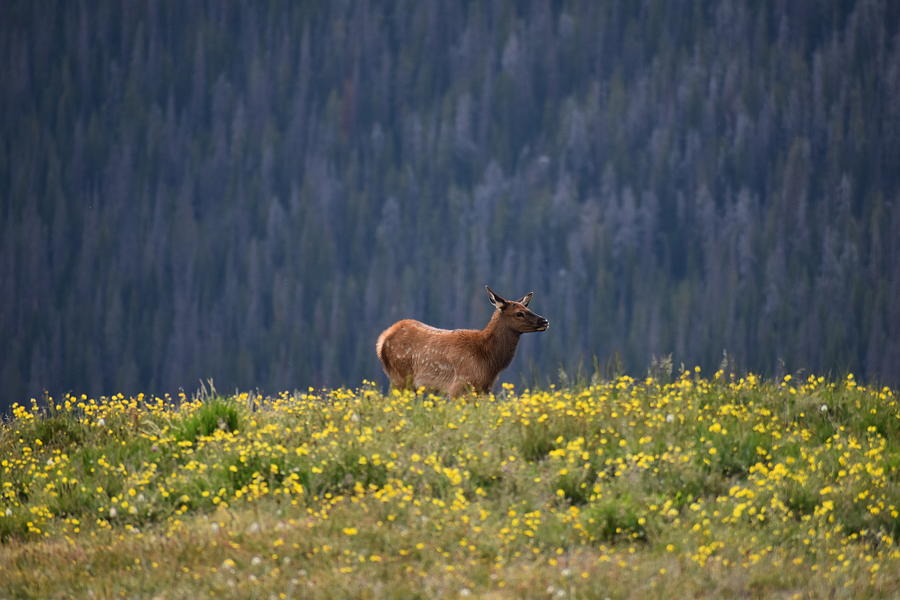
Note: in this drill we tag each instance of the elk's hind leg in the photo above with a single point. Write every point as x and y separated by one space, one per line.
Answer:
399 382
459 388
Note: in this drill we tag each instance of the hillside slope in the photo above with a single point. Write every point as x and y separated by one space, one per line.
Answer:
698 487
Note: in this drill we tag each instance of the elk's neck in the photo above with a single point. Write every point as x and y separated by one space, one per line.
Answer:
499 342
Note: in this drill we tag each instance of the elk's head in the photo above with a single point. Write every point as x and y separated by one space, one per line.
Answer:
516 315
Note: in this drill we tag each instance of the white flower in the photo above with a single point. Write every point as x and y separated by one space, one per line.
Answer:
823 408
670 418
113 512
256 561
101 421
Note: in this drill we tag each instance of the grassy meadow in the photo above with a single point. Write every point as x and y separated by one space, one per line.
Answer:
681 487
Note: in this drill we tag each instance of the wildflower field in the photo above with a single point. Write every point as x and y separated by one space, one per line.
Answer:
688 487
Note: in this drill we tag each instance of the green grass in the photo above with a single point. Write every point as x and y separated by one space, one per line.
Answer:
699 487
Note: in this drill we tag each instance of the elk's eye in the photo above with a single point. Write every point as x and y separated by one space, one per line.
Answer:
520 314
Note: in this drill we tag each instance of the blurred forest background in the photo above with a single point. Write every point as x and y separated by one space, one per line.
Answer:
252 191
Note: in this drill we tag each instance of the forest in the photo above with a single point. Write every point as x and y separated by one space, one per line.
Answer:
251 192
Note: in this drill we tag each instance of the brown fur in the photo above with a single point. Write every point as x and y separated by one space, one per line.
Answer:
414 354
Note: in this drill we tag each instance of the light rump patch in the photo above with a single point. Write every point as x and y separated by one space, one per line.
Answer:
457 361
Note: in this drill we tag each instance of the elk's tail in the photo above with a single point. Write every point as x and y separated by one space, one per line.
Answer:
379 350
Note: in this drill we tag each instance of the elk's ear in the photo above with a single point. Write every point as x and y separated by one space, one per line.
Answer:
526 299
496 300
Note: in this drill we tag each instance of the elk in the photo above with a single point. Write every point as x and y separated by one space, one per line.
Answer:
455 362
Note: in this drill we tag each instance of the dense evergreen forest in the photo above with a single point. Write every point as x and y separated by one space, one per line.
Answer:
251 192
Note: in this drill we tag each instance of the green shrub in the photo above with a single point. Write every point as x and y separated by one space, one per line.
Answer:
217 414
